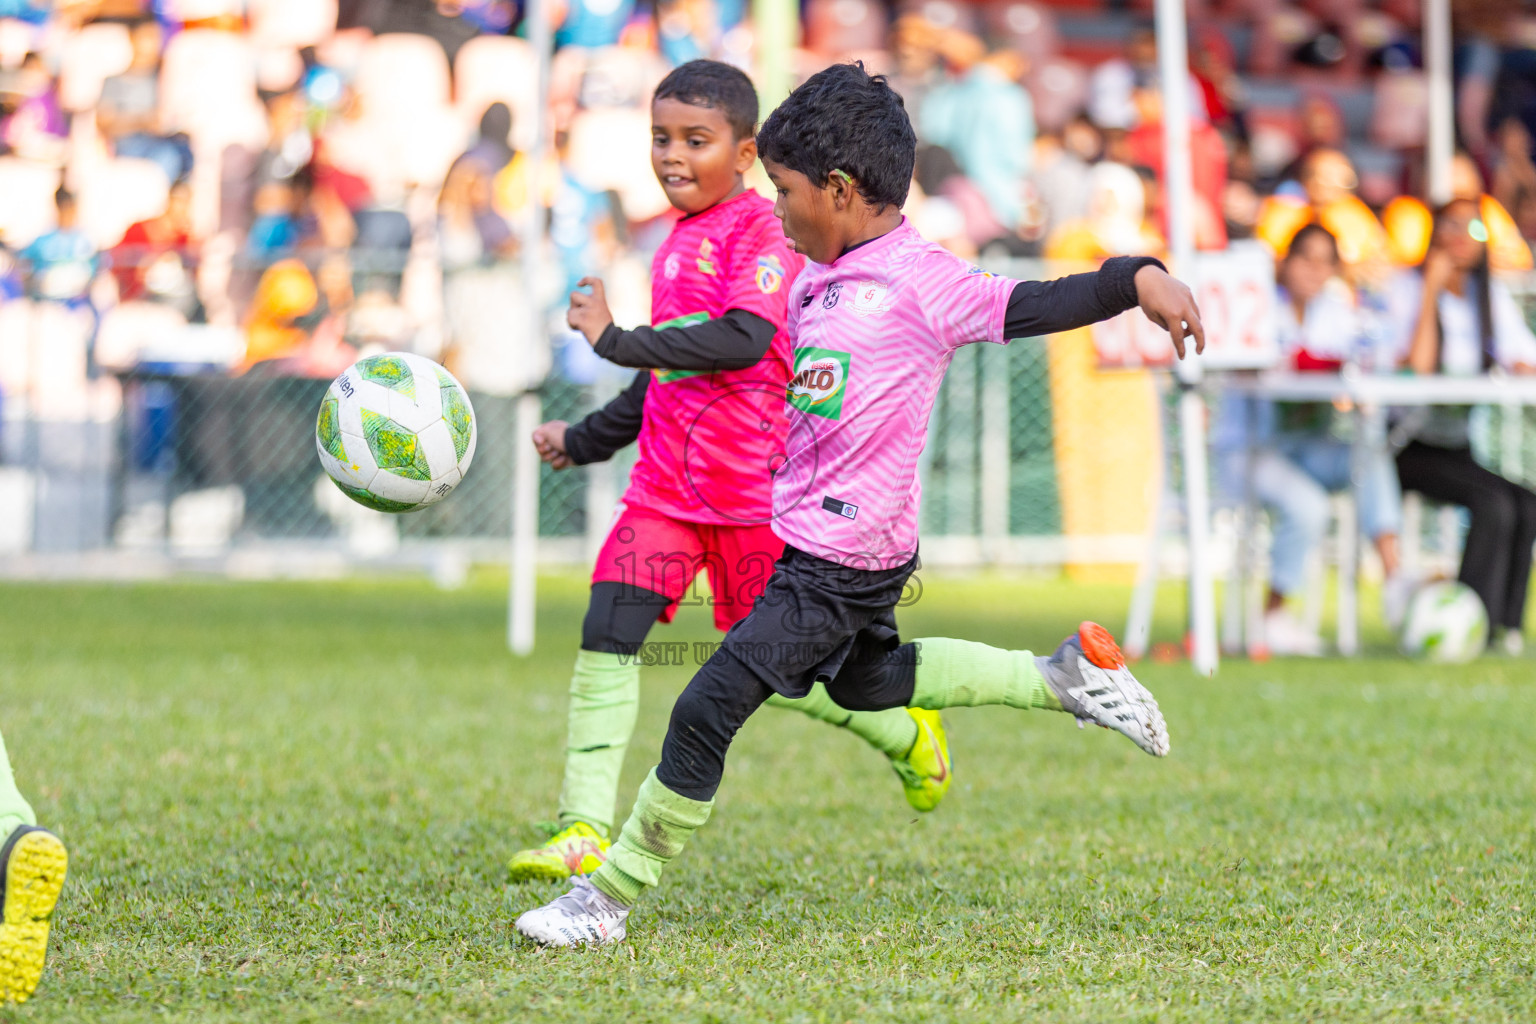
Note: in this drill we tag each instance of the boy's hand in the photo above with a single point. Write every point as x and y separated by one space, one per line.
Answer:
549 441
1170 304
589 313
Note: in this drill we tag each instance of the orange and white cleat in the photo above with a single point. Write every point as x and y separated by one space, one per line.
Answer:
1089 676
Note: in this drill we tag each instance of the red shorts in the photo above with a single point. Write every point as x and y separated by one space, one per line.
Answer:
665 555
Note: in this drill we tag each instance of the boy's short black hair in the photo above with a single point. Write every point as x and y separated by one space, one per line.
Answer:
716 85
845 119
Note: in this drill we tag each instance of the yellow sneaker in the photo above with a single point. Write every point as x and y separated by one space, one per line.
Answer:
578 850
926 770
32 866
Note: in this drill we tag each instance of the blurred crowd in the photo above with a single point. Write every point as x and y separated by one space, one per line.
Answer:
273 186
320 176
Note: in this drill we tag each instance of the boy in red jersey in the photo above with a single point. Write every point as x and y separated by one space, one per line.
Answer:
707 410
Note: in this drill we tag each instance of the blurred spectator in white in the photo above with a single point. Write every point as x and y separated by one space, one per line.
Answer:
155 261
62 263
1291 456
1116 223
36 127
1113 83
481 301
1061 166
1452 316
128 113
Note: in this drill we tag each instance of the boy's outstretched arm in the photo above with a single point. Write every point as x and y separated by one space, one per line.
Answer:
602 432
735 341
1048 307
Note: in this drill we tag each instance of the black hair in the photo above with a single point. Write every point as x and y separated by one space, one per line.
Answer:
63 197
845 119
1481 285
1306 232
716 85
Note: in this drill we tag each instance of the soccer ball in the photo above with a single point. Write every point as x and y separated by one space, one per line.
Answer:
1446 622
396 432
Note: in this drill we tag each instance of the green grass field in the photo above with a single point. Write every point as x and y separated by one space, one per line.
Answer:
293 802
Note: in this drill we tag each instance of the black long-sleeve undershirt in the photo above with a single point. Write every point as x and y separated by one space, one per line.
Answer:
604 431
734 341
739 339
1037 308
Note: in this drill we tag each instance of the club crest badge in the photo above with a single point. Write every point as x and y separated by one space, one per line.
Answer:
870 297
770 274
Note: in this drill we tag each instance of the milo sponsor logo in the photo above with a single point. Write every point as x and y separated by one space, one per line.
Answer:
820 378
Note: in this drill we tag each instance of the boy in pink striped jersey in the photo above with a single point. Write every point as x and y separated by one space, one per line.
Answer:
708 414
874 320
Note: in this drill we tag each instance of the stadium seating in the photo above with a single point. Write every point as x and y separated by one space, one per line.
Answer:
291 23
118 193
208 89
28 188
492 68
91 56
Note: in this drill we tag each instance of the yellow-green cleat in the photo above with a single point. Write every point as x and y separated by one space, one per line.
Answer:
577 850
32 866
926 769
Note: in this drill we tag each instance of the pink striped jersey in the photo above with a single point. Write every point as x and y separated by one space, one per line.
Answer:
709 440
872 334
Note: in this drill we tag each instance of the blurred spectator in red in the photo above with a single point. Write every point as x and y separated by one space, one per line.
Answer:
128 114
1213 63
155 259
1208 164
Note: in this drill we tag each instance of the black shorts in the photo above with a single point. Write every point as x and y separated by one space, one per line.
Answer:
819 620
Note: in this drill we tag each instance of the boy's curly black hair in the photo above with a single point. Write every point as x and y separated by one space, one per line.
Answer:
845 119
716 85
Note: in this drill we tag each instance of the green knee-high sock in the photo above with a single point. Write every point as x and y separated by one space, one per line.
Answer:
14 809
891 732
960 673
605 698
657 830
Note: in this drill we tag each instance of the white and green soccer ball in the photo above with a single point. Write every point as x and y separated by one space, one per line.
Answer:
396 432
1446 622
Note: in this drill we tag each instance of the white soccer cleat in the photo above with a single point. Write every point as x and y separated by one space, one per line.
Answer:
1088 675
584 916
